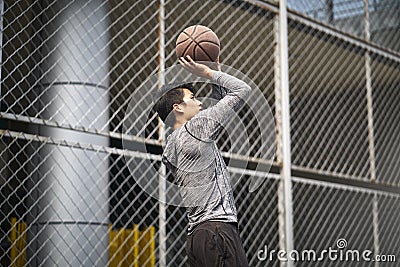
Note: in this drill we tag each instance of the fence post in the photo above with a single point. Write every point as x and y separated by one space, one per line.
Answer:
371 142
283 125
1 40
162 219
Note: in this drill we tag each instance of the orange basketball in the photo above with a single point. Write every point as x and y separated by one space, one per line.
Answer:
199 42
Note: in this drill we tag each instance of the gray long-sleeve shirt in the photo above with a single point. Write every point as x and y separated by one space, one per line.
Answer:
195 161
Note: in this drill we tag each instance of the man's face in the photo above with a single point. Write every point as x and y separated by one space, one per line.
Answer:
190 106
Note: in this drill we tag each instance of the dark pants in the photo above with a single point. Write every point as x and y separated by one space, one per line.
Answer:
215 244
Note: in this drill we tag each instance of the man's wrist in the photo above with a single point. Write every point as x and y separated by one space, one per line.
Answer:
215 75
210 74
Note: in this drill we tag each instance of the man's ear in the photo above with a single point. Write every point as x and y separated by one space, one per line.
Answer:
177 108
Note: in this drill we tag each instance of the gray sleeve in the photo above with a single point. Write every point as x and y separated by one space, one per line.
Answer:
207 123
218 92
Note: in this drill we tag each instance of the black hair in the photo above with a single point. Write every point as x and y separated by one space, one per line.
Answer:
167 96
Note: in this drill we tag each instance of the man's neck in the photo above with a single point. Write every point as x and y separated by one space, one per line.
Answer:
178 124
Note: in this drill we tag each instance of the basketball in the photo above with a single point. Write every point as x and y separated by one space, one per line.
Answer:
199 42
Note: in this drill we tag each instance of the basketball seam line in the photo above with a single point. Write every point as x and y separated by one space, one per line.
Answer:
187 48
183 40
189 37
197 44
205 52
207 41
194 39
194 29
201 34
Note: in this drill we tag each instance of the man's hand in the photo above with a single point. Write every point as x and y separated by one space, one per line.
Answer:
198 69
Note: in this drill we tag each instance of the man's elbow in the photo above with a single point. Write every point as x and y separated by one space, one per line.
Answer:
246 91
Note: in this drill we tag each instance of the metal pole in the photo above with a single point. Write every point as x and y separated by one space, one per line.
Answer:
375 226
1 40
162 219
368 80
282 84
369 96
278 116
329 11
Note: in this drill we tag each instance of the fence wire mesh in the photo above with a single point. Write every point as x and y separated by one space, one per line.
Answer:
344 207
388 221
328 103
71 179
385 78
347 207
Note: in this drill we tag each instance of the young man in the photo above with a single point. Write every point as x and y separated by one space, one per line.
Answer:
198 168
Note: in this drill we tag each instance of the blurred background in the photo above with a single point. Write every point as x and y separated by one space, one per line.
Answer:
69 69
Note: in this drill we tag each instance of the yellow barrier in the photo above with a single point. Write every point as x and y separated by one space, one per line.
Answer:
132 247
18 243
127 247
147 245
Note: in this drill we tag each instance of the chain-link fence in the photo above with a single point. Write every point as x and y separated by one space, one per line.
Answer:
71 177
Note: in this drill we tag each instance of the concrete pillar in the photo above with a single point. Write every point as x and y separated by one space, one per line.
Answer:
69 212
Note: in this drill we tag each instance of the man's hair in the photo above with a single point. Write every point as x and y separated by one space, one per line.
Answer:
167 96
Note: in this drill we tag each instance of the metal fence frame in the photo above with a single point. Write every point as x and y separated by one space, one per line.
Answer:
288 172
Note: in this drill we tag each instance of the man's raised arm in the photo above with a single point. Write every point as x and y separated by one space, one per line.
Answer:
207 124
